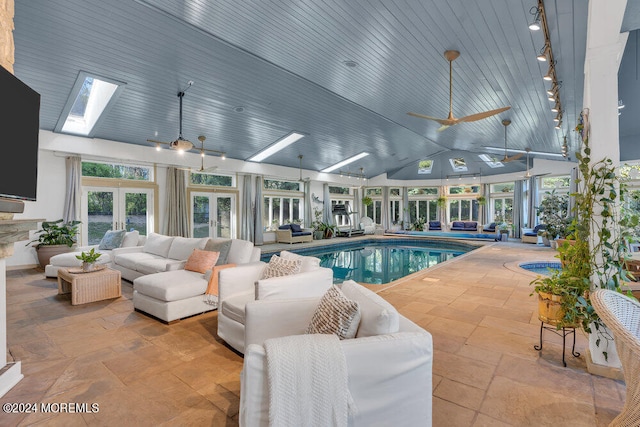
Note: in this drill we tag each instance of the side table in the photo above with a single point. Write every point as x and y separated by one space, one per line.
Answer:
89 287
565 331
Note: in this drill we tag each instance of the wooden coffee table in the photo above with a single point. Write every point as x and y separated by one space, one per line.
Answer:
89 287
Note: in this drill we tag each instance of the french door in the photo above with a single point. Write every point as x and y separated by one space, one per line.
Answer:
213 214
113 208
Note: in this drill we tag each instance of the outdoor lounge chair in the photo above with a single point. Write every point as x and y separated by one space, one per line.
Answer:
435 226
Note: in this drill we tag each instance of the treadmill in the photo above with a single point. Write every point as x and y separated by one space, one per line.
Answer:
341 209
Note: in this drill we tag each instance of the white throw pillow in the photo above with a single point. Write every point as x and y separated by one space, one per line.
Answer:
378 317
309 263
336 314
130 239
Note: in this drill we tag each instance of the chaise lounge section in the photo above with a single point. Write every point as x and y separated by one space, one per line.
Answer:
293 233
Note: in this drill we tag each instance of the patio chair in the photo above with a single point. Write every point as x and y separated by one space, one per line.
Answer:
621 315
367 225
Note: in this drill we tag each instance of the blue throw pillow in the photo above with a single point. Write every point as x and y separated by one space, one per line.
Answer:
112 239
296 228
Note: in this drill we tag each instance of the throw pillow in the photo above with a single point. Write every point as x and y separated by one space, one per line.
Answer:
336 314
201 260
130 239
112 239
279 267
309 263
221 246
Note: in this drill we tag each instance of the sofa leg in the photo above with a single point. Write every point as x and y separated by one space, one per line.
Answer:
156 318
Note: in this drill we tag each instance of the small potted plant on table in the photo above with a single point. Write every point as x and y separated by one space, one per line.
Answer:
89 259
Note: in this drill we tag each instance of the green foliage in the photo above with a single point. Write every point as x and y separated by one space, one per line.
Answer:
553 213
56 233
90 256
367 201
419 223
481 200
441 202
587 263
106 170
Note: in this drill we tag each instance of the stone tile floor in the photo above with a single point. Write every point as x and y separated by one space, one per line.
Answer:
142 372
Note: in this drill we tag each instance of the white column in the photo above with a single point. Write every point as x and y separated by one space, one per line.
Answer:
604 50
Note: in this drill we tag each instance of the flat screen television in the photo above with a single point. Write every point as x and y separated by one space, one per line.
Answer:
19 127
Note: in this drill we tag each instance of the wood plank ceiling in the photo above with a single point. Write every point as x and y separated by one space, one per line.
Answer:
286 64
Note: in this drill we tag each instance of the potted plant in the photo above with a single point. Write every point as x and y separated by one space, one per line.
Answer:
419 223
481 200
594 256
441 202
318 226
367 201
553 213
89 259
55 237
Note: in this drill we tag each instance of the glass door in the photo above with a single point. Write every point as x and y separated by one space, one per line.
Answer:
213 215
108 208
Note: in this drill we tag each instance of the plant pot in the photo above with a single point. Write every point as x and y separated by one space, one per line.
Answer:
88 266
553 244
45 252
550 309
318 235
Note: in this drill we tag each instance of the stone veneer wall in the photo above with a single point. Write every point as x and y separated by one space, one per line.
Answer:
6 34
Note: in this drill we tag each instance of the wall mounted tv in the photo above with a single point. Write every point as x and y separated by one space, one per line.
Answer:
19 127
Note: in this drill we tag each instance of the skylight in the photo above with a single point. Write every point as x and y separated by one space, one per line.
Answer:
89 99
492 162
345 162
458 164
276 146
425 166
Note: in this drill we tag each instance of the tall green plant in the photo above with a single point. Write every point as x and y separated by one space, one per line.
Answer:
56 233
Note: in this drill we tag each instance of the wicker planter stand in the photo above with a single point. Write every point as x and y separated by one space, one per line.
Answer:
89 287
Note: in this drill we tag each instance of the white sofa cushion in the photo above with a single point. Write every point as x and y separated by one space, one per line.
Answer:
240 252
182 247
158 244
68 259
162 286
234 307
378 317
130 239
154 265
309 263
130 260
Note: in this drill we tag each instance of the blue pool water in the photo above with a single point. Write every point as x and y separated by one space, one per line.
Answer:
541 267
377 261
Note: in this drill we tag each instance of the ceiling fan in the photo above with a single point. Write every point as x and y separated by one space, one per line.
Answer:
179 144
451 55
506 158
301 179
202 169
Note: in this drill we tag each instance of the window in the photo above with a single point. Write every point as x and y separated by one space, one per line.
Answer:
374 211
491 161
419 191
339 190
502 209
427 209
464 189
425 167
270 184
463 210
550 182
117 171
504 187
372 192
89 99
281 210
197 178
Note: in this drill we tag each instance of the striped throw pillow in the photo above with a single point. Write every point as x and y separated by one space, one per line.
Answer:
279 267
336 314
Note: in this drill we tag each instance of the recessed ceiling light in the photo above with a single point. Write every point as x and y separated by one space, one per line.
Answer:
276 146
350 63
344 162
239 109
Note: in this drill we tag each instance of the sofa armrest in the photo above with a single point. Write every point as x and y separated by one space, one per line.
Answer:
129 249
302 285
294 315
239 279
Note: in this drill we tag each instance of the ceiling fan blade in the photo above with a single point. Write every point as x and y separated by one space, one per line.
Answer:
512 158
484 115
157 142
443 127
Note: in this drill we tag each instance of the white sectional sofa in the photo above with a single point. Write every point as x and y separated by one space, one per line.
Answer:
239 286
161 285
389 362
69 260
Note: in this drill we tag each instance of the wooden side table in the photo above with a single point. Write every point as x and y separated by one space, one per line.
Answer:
89 287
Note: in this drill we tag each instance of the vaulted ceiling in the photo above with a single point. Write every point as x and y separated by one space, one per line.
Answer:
289 66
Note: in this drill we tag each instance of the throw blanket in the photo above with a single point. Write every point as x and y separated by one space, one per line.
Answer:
307 379
211 294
